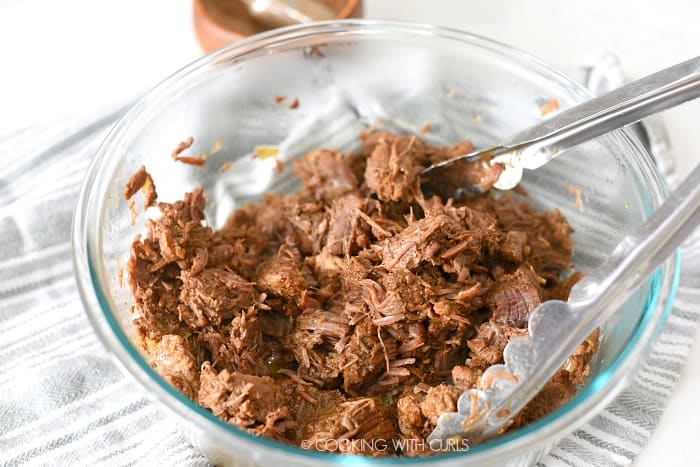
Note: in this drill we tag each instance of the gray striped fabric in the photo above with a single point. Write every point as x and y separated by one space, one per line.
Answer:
63 401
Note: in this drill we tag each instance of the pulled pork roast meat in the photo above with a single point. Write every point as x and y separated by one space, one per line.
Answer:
357 310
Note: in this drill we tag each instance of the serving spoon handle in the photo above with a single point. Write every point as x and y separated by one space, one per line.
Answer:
556 328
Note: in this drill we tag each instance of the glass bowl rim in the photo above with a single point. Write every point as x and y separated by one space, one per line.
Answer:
86 241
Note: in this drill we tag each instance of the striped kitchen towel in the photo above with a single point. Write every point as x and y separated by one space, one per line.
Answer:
64 402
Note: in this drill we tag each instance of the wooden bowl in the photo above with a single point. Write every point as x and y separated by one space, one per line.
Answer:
219 22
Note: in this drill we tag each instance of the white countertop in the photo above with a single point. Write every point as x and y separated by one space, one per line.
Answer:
75 56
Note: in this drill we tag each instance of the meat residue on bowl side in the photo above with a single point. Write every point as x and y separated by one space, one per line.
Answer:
357 310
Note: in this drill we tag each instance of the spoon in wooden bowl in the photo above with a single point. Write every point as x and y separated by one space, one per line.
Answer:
277 13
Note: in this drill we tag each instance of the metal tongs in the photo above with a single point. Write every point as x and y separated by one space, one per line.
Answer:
537 145
555 327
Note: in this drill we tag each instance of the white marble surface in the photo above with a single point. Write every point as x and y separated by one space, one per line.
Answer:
75 56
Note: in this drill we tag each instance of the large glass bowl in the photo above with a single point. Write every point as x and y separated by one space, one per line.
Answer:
347 75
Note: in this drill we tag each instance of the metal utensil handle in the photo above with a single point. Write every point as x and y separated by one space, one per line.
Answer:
616 109
643 251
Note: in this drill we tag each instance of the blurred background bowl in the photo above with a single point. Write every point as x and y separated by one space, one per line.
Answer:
346 76
219 22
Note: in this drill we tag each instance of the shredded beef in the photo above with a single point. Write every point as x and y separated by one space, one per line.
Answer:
213 296
355 420
285 275
252 402
174 362
392 169
514 297
141 180
439 399
357 310
346 230
325 175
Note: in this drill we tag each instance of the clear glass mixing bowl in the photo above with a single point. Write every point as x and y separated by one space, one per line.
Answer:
347 75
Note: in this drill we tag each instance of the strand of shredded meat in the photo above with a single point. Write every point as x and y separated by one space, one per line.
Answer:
356 310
